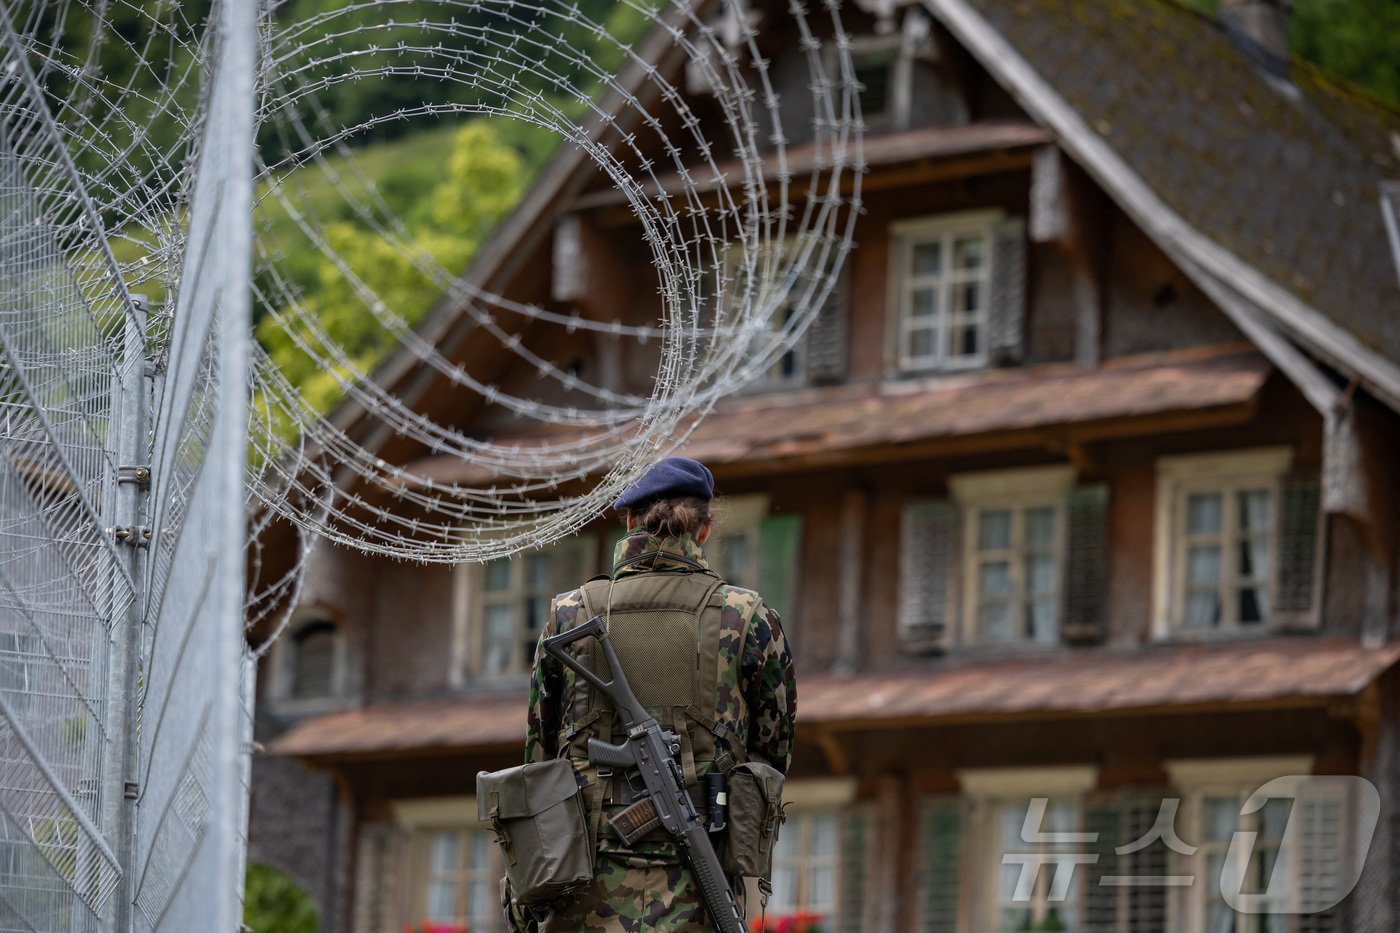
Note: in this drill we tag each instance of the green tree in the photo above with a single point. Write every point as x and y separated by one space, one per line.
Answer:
1358 40
445 226
272 903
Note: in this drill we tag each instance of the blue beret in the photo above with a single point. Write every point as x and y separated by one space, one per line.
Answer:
671 478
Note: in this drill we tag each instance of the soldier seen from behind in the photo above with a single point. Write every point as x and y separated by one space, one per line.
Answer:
710 662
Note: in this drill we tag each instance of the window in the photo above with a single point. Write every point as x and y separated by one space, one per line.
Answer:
453 869
1219 536
882 73
805 867
313 660
1217 818
1032 847
514 596
1014 553
819 355
1015 575
1213 798
308 663
755 549
819 860
733 548
460 879
942 283
1041 908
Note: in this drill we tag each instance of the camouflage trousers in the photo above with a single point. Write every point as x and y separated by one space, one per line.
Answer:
632 896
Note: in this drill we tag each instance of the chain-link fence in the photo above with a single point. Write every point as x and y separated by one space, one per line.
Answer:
123 712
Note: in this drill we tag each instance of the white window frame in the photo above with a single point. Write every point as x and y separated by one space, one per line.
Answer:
899 96
767 272
990 790
471 598
803 800
1198 780
424 819
1225 473
904 236
1017 491
771 270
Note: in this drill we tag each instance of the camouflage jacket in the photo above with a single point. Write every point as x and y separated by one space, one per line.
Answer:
752 636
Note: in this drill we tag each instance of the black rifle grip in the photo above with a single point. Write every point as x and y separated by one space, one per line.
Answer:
603 755
593 626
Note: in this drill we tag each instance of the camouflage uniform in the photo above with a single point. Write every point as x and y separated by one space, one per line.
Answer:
645 887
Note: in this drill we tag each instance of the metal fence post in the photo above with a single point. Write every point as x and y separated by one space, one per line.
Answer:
132 522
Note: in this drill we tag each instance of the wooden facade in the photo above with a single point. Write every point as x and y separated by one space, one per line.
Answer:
1138 545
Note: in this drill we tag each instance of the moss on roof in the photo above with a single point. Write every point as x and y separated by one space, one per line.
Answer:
1285 175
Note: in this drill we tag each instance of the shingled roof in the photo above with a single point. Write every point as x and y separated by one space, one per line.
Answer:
1284 177
1264 674
834 424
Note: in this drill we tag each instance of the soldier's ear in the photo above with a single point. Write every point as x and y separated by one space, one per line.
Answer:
704 533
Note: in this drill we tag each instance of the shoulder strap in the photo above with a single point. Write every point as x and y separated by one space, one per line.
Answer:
709 731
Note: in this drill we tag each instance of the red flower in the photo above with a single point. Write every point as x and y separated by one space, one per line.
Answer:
801 922
428 926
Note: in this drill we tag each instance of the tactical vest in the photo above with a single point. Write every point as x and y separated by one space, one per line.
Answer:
666 628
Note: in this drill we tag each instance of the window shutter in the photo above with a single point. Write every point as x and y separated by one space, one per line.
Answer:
1145 907
314 649
1006 309
779 540
1122 820
827 337
1300 502
940 842
928 551
1101 817
1323 863
1086 564
854 873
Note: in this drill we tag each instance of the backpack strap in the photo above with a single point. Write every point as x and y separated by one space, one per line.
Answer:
708 731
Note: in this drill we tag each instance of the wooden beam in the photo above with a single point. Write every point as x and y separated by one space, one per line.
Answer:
1067 212
855 504
834 754
891 822
1343 474
1050 220
609 208
569 282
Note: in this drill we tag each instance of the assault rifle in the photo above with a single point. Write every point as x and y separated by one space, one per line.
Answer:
651 752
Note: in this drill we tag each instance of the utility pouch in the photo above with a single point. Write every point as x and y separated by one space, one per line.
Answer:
755 813
540 819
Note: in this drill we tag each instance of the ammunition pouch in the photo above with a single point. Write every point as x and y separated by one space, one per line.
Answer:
540 820
755 814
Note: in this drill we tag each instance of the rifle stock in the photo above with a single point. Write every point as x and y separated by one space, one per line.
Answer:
651 752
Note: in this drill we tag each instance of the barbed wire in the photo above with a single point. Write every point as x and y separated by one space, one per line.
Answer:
674 116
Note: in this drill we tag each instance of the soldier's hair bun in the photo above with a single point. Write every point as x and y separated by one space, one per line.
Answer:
674 518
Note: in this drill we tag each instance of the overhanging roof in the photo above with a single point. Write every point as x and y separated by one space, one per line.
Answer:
1267 674
877 150
833 424
1275 673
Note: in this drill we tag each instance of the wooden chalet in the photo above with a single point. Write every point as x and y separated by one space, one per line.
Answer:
1082 489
